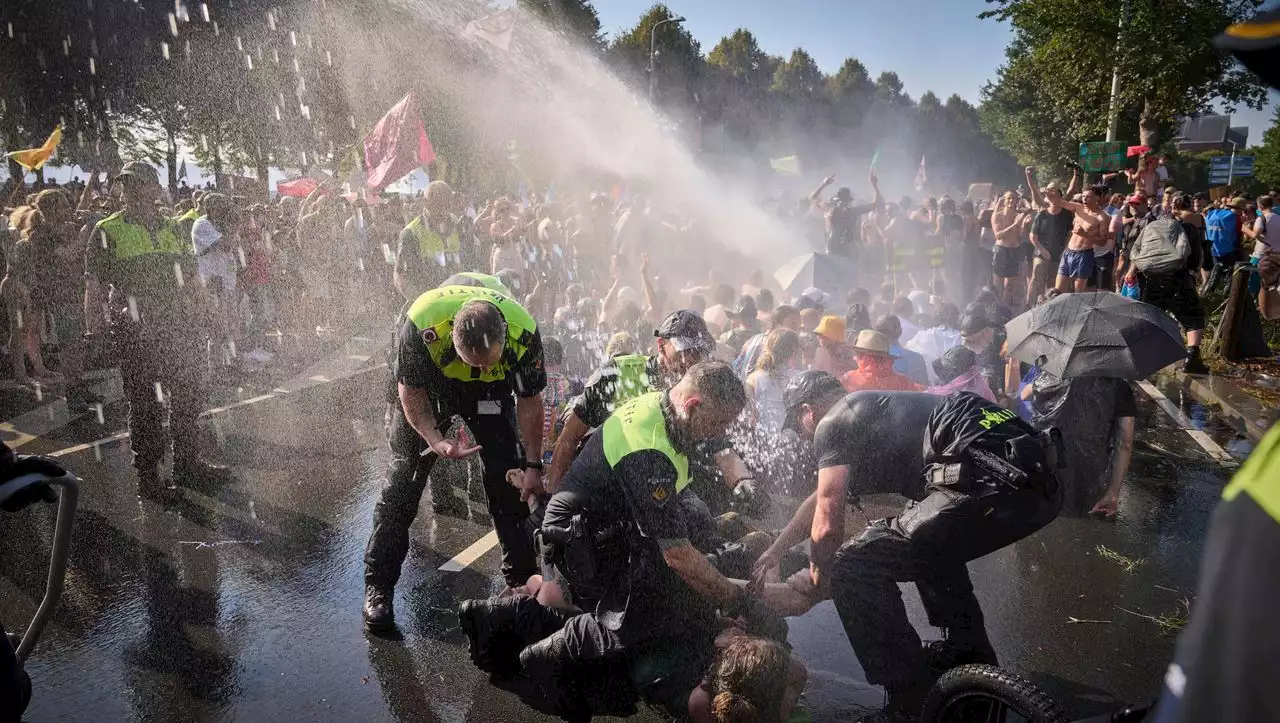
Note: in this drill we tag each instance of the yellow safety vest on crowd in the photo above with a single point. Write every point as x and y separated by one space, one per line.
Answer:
903 258
433 312
488 281
633 378
430 243
131 240
639 425
937 256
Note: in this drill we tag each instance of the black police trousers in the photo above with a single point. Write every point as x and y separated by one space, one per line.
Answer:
407 478
929 544
14 690
155 358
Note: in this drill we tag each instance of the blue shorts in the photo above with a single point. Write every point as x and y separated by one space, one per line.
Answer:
1076 264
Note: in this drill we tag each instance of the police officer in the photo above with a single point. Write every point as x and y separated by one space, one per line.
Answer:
493 282
988 482
683 340
428 248
461 350
620 544
140 278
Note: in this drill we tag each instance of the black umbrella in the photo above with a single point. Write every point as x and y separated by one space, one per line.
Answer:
1096 334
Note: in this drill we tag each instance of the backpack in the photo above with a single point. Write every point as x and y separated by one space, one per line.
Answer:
1162 247
1220 231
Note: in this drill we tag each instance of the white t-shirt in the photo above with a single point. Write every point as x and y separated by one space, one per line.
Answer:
1263 225
220 263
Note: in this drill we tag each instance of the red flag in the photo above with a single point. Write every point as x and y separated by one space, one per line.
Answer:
397 145
300 187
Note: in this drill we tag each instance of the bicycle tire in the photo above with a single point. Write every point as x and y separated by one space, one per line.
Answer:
988 681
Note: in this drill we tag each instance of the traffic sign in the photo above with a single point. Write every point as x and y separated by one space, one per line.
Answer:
1222 170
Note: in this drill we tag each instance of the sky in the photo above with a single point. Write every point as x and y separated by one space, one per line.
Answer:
937 45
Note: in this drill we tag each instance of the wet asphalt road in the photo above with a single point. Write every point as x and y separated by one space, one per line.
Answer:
242 602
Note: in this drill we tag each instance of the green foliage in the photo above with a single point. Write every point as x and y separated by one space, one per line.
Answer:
1266 167
576 18
1054 89
677 59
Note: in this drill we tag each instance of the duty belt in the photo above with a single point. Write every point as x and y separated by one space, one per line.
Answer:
1026 459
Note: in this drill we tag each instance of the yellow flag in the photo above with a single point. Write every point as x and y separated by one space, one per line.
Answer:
33 159
789 166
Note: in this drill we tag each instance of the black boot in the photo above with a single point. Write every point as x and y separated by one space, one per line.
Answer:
150 485
197 472
379 615
1194 364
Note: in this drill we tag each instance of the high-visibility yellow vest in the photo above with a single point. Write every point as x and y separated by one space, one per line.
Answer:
1259 476
131 240
639 425
937 256
475 278
430 244
433 312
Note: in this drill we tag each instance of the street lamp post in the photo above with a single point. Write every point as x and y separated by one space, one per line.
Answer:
653 37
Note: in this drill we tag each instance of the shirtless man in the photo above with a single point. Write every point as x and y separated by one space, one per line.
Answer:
1089 229
1050 231
1006 262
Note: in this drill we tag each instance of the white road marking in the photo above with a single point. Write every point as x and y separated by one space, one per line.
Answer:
463 560
1201 438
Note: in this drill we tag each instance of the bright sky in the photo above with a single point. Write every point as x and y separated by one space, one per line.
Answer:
937 45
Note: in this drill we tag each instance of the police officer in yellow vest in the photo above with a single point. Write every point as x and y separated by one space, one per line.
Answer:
462 350
141 280
428 249
620 544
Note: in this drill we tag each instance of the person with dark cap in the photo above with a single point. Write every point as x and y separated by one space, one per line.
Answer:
1226 661
140 276
988 481
842 217
978 334
683 341
473 352
746 323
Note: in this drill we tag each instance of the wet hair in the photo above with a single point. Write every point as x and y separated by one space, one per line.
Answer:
903 306
780 313
552 352
478 326
1266 202
717 381
764 300
619 344
748 680
723 294
779 348
890 326
949 316
856 319
1182 202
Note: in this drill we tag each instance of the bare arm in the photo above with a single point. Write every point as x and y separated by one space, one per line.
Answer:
815 198
1036 200
416 403
562 457
694 568
733 468
800 524
606 306
651 311
529 415
827 533
1074 185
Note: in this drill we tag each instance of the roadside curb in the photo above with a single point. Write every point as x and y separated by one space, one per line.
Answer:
1245 412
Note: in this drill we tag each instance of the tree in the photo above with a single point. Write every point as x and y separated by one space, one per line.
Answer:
1057 79
1266 164
889 90
575 18
678 60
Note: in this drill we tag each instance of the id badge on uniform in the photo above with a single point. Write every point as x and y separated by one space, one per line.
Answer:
488 406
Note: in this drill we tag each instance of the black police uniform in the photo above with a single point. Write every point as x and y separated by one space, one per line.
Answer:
155 324
607 526
489 411
988 483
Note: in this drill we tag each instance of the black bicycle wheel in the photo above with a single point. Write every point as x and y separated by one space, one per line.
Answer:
987 694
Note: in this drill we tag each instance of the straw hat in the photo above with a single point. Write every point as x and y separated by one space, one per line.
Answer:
871 341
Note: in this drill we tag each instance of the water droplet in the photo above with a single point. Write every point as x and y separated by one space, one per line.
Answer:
216 30
204 11
66 47
108 104
93 68
103 235
18 318
328 58
248 61
240 253
277 112
351 120
293 38
164 50
177 274
304 159
93 42
159 393
39 392
11 31
97 452
271 20
253 512
231 346
239 45
297 69
133 308
388 255
173 25
186 48
97 411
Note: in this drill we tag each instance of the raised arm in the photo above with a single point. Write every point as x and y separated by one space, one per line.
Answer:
815 198
1036 200
1074 185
